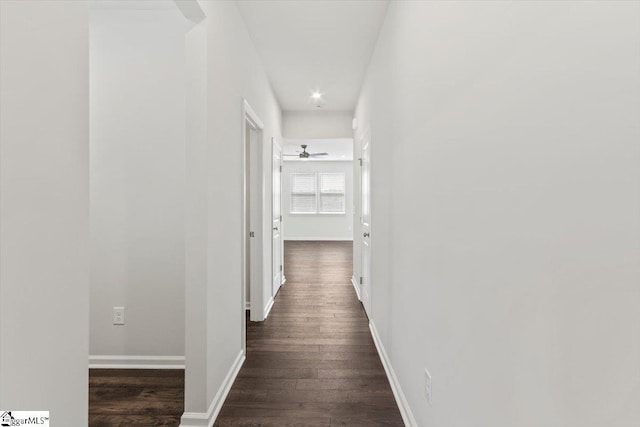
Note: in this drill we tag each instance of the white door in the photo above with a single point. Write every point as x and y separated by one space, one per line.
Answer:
277 249
365 169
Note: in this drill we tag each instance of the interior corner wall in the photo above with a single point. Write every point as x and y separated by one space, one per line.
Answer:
196 220
234 73
44 208
317 124
505 147
317 226
138 182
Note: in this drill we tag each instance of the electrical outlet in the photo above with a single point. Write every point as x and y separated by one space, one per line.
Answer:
118 315
427 385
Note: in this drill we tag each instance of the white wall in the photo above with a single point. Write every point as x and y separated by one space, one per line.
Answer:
317 124
214 164
506 216
44 208
317 226
196 212
138 181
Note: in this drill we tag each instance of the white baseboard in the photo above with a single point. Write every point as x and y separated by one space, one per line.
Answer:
268 308
401 400
354 282
136 362
206 419
279 287
321 239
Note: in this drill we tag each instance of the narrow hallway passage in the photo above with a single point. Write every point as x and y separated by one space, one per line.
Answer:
313 361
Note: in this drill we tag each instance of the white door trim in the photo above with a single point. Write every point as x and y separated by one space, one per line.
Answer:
277 269
249 117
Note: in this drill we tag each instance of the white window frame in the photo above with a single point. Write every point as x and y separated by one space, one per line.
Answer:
318 193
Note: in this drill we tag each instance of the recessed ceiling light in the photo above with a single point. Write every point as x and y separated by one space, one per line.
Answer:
316 95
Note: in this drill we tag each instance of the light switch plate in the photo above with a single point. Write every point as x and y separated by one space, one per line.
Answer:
118 315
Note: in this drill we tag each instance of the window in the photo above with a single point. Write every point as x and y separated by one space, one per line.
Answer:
313 193
303 193
332 193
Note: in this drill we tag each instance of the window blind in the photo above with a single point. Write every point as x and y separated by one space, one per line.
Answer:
332 189
303 193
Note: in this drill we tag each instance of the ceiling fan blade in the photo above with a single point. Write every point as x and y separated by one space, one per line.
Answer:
294 155
318 154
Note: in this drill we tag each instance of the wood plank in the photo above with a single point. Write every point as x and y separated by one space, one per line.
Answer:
135 397
312 362
272 421
254 362
133 420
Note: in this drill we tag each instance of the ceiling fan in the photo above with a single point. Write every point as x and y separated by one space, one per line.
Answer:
305 155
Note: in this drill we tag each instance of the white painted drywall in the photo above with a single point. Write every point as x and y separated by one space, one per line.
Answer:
214 164
44 208
317 124
196 211
506 212
138 181
317 226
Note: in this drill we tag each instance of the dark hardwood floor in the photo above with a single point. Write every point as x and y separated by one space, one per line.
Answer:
135 397
312 362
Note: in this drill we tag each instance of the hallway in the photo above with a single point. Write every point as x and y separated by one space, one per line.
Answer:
312 362
481 158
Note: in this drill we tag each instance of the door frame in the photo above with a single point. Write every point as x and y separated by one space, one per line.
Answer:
251 119
275 142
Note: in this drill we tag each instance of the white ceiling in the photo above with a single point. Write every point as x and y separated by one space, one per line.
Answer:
338 149
311 45
133 4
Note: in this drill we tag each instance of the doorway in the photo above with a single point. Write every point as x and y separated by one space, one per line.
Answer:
277 242
319 196
255 244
